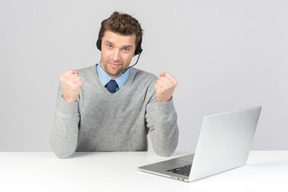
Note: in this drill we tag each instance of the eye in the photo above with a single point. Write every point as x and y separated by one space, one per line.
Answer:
125 49
109 46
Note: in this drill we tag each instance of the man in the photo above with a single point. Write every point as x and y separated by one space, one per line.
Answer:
111 107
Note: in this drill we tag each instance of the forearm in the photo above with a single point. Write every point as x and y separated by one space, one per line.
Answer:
64 137
164 135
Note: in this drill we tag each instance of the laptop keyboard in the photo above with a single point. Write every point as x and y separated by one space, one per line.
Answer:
185 170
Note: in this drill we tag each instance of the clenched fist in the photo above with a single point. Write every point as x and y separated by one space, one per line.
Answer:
71 83
165 87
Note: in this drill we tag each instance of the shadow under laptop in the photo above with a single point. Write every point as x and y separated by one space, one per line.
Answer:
260 158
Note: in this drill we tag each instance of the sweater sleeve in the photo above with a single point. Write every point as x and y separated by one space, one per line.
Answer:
64 136
161 120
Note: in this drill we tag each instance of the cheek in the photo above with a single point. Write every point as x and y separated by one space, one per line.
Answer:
104 56
127 58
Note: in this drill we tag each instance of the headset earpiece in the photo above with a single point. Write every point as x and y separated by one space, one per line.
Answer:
99 42
139 49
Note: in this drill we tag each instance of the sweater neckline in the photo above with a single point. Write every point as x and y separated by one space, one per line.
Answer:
104 90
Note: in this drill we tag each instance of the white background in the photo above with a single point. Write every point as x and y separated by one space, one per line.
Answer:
225 55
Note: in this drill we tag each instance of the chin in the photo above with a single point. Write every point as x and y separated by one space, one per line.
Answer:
116 74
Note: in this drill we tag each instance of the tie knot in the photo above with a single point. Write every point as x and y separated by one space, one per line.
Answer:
111 86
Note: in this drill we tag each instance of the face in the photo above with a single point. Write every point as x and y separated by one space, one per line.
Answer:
117 52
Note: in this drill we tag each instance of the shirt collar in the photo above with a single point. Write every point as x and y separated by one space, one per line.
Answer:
105 78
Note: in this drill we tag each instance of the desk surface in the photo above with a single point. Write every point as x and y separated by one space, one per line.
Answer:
42 171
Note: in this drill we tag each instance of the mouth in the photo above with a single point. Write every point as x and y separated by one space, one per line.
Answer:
115 65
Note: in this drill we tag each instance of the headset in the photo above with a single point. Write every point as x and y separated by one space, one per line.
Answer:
138 49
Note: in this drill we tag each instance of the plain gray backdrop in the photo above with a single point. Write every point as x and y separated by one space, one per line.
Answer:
225 55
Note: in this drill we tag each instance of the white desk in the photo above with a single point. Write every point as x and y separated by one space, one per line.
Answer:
42 171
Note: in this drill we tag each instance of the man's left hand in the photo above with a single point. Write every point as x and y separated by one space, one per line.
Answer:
165 87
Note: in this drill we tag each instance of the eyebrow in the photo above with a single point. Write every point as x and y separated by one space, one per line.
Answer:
125 46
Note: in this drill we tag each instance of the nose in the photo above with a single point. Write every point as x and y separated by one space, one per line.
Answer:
116 55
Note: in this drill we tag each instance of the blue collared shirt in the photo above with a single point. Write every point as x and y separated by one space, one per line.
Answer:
105 78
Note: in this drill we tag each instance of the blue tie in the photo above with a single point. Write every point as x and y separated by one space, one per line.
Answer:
111 86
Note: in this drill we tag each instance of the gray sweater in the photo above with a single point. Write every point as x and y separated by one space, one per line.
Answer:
101 121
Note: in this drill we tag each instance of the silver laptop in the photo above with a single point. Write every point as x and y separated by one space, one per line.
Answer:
224 143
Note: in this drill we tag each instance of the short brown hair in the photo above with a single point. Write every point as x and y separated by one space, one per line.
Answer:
123 24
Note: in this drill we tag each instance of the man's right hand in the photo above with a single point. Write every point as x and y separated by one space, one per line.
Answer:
71 83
